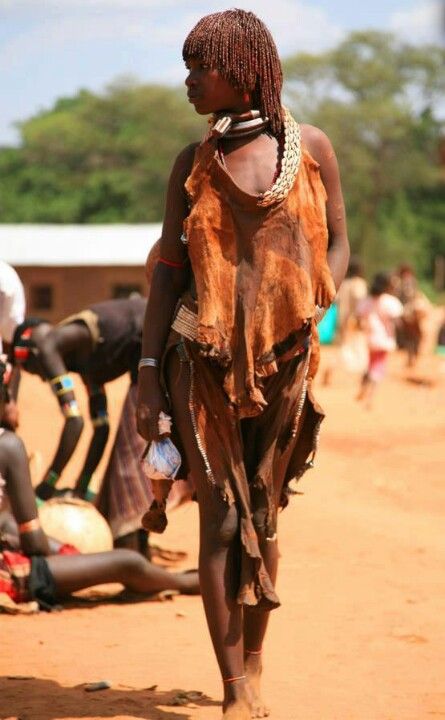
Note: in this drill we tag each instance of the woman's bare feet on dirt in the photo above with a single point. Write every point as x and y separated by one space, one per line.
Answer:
236 704
253 668
237 710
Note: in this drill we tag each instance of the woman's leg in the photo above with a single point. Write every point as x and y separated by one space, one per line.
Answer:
255 627
136 540
218 557
255 620
75 572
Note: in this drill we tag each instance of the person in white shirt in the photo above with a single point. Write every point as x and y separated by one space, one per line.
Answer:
12 303
12 314
379 314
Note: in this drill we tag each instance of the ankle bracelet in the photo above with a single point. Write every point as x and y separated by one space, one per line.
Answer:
234 679
253 652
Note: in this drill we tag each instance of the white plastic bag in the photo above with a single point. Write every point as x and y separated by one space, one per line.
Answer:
163 459
161 465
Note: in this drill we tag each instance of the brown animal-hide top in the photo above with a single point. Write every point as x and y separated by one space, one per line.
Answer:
256 271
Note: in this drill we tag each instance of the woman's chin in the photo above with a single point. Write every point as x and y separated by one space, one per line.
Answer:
200 108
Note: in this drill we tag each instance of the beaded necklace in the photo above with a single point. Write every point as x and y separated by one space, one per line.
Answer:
232 126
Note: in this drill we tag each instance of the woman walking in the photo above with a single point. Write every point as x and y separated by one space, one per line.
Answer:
253 240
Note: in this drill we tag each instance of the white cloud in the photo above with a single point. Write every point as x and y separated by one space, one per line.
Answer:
422 23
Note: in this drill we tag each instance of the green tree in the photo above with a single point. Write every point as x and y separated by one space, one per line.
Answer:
97 158
377 99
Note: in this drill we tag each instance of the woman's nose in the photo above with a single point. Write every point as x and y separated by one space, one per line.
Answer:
190 79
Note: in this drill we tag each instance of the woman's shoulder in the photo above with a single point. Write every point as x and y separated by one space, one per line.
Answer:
10 443
182 166
184 160
316 142
12 452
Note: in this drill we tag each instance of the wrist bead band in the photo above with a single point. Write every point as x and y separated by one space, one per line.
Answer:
52 478
62 384
29 526
148 362
320 312
70 409
100 420
171 263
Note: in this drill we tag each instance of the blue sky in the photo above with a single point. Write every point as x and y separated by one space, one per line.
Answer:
51 48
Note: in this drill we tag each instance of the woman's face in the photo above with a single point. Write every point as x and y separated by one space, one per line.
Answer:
211 93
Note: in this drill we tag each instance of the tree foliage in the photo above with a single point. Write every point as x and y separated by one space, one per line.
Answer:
377 99
97 158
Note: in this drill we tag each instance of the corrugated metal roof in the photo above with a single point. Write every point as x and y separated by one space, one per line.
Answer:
72 245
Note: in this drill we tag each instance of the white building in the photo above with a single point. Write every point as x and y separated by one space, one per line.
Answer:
65 268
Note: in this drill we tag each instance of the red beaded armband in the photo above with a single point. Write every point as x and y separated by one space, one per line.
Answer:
172 264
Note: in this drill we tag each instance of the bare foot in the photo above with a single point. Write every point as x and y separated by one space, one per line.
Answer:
237 710
236 704
253 669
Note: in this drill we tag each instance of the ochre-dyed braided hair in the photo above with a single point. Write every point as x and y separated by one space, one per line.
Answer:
239 45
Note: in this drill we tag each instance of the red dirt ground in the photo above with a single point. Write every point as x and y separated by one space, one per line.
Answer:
360 635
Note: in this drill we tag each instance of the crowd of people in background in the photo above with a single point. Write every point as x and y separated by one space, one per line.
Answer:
369 322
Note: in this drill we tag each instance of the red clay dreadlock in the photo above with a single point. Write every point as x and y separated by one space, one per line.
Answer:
241 47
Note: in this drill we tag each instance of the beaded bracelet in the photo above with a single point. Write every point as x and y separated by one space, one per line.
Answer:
62 384
70 409
148 362
52 477
29 526
320 312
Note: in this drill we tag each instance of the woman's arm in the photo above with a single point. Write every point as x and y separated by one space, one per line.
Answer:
99 418
33 540
321 149
167 284
51 348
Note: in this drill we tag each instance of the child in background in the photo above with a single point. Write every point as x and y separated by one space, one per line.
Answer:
378 314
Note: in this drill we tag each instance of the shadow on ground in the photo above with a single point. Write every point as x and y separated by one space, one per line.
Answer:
38 699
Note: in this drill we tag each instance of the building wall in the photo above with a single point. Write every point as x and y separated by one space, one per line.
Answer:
53 293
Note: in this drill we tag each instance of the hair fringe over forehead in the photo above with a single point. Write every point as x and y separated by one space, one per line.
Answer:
239 45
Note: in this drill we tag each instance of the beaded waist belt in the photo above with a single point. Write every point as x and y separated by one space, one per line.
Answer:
186 323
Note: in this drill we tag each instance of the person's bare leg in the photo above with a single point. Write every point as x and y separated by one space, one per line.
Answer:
136 540
363 387
76 572
256 621
218 557
255 627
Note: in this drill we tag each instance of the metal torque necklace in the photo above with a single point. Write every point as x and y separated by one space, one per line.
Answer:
232 126
235 126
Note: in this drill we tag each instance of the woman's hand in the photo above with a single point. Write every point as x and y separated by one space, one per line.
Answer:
325 291
151 401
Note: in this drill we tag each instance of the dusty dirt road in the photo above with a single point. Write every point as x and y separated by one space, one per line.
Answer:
360 634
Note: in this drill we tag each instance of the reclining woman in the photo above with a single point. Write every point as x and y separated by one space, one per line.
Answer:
29 570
